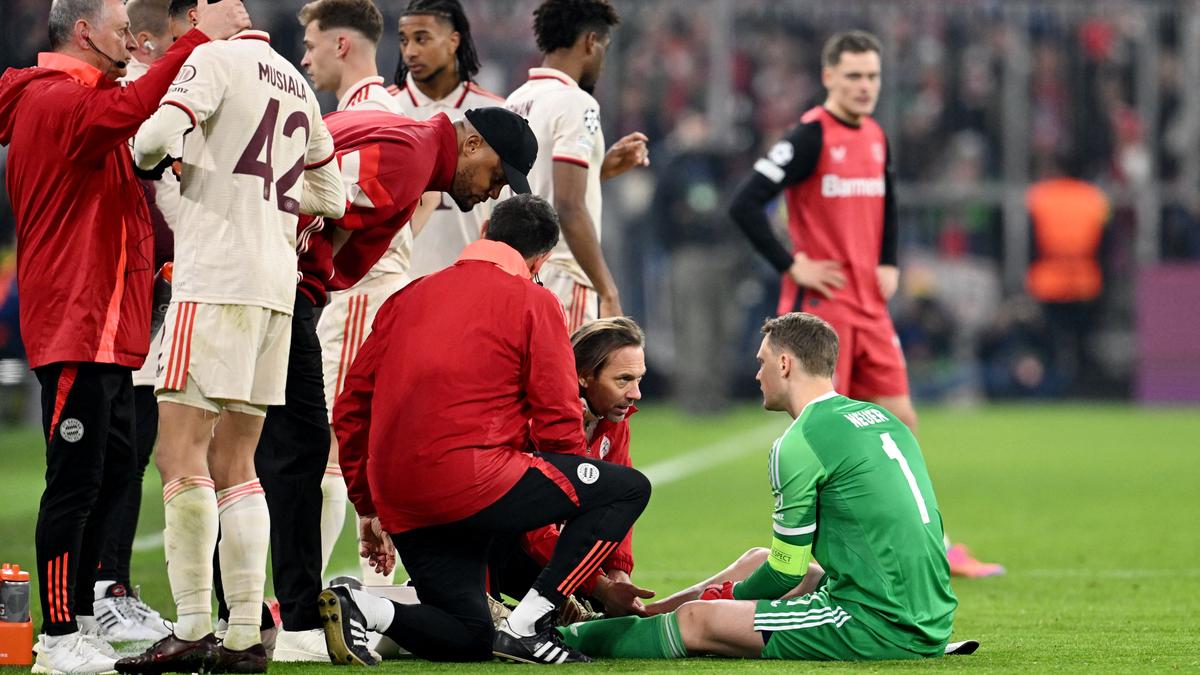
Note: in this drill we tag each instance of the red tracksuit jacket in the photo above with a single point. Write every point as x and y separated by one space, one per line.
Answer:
390 161
462 371
85 246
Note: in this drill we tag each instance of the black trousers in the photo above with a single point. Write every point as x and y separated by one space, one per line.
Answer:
87 419
118 546
290 461
448 563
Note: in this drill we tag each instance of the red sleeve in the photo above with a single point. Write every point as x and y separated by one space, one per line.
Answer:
622 557
113 114
389 179
352 414
550 383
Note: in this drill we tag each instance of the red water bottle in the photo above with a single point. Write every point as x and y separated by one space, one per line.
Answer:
16 630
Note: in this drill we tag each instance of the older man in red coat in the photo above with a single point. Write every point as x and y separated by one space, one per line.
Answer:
85 254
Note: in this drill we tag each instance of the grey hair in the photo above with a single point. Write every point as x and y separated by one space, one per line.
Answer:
64 14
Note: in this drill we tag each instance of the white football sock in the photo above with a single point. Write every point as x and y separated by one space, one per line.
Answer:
333 510
245 539
189 539
531 608
379 612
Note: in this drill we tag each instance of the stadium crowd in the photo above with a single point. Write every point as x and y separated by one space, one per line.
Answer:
944 94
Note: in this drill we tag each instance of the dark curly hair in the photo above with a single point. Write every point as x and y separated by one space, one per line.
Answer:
450 11
558 23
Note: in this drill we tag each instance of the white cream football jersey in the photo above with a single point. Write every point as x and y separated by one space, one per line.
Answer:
566 121
448 230
369 94
256 129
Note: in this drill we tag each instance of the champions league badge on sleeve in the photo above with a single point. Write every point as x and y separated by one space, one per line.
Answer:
591 120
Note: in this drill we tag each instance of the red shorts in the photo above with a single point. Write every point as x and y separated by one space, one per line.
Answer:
870 362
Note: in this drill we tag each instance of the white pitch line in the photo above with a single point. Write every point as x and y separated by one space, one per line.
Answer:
754 440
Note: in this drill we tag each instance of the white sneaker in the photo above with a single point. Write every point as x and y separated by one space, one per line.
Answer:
301 645
120 622
70 654
91 631
148 616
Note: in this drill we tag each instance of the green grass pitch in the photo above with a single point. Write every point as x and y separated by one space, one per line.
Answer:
1094 510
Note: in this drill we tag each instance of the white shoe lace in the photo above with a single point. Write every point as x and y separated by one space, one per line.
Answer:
94 637
86 646
144 615
142 610
98 644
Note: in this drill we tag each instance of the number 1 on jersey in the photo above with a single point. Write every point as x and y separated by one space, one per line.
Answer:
893 452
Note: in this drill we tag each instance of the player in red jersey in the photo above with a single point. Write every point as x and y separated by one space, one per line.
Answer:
835 172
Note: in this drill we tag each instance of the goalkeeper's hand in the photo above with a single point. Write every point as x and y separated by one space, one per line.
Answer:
718 592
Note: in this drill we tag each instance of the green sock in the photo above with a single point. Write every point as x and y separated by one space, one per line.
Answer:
628 637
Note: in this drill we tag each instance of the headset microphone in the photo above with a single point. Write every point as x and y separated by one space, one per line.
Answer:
119 64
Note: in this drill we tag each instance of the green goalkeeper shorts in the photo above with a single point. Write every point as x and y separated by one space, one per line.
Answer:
812 628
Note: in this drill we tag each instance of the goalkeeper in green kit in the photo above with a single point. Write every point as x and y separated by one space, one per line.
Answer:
851 491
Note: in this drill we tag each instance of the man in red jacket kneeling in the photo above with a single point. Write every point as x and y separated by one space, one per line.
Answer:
459 421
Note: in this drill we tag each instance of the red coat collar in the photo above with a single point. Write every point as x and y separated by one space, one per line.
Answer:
83 73
499 254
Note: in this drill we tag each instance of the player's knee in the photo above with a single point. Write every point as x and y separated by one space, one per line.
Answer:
634 487
696 622
640 487
756 555
691 618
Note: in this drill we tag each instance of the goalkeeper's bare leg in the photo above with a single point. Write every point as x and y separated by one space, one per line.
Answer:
738 570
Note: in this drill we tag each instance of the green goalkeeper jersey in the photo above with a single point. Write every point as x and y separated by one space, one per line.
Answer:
850 482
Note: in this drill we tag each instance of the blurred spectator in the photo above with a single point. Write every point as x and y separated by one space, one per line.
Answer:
944 103
1017 353
704 266
927 333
